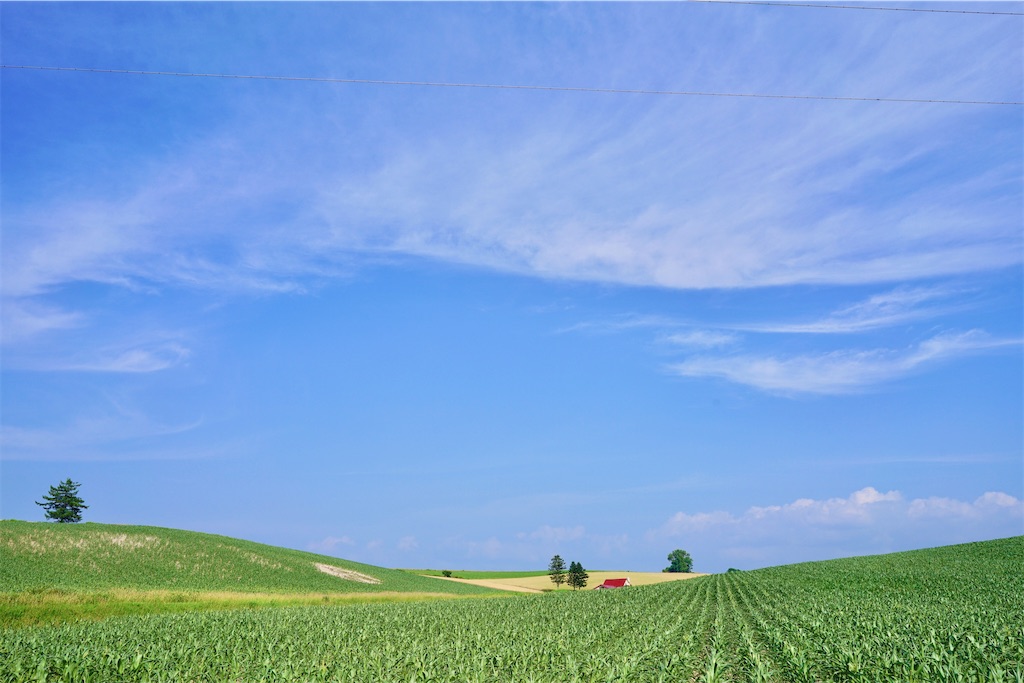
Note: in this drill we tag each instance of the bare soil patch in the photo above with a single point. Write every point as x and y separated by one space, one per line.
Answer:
346 574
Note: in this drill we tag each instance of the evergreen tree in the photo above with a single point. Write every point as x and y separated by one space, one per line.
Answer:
556 570
63 504
577 576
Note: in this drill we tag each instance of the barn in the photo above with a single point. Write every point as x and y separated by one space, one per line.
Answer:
614 583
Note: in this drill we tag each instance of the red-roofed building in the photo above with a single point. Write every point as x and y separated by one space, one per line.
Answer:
614 583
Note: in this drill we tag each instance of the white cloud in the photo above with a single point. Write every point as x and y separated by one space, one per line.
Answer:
408 543
835 372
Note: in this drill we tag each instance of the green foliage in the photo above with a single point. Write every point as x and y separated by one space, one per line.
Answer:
447 573
681 562
577 576
556 570
949 614
97 557
63 504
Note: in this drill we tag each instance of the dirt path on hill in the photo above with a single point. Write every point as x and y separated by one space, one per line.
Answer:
346 574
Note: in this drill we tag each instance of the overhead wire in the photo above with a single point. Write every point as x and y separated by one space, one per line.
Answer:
772 3
500 86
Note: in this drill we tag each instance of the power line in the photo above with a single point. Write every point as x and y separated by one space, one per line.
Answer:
496 86
860 7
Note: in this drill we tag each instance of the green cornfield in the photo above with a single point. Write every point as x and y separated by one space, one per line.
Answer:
949 614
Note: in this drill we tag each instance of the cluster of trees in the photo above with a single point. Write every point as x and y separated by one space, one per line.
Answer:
575 577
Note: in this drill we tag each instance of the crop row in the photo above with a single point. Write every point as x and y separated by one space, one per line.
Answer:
864 620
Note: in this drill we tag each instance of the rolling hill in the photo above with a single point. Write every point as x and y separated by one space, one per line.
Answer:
40 556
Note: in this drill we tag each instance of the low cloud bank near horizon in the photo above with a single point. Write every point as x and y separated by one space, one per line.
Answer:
866 522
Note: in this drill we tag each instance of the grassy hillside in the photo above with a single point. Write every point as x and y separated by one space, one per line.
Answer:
38 556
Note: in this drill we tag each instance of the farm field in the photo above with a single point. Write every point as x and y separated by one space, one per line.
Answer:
539 583
946 614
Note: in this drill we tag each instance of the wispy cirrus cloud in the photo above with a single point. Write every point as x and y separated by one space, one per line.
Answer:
22 320
650 192
134 360
722 349
885 309
696 338
836 372
107 430
900 305
556 215
93 440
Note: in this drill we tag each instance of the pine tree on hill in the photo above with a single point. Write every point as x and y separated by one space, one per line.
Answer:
63 504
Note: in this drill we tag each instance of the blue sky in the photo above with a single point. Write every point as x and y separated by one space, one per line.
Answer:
472 328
